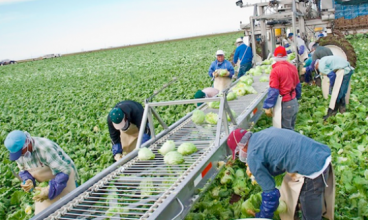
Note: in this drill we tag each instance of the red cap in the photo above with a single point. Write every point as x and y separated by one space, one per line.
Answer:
280 52
234 138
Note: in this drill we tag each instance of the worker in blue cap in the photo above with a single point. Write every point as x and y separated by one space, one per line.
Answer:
43 160
124 122
302 49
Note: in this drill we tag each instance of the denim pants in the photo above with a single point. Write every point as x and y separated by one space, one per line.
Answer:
244 68
344 86
288 114
312 196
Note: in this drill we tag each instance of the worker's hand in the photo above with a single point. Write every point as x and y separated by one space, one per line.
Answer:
27 186
251 212
269 112
118 157
302 72
248 172
215 74
42 194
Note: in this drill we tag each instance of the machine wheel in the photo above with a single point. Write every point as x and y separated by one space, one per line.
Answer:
341 45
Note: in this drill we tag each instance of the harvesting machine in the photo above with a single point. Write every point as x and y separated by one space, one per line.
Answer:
117 192
273 20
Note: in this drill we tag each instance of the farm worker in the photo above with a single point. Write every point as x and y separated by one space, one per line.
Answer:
285 88
221 71
302 50
238 42
336 78
243 56
318 53
310 178
205 93
43 160
124 122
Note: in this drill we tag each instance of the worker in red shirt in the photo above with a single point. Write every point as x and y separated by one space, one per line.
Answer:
285 88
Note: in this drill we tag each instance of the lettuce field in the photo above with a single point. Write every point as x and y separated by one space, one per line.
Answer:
67 100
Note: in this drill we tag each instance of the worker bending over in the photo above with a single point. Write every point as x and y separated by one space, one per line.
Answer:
124 122
318 52
285 88
43 160
274 151
338 72
205 93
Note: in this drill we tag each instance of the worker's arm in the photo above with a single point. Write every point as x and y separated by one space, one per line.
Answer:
60 168
270 195
236 55
230 68
115 138
273 91
301 49
298 90
212 69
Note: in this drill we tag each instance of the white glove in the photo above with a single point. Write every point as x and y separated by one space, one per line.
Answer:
118 157
42 194
27 186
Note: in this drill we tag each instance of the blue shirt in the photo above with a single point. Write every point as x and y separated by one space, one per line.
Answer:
274 151
239 53
215 65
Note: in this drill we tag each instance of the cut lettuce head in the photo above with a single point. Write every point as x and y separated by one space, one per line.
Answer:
145 154
168 146
198 116
187 148
173 158
212 118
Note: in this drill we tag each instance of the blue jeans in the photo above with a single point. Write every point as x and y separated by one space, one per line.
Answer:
288 114
344 86
312 196
244 68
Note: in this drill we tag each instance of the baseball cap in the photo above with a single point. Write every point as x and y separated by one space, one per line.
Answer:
280 52
117 116
234 138
14 142
220 52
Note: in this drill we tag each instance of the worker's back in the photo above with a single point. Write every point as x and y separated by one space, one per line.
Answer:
284 76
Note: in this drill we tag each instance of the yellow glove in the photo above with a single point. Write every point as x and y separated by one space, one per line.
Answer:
269 112
27 186
118 157
302 72
248 172
215 74
42 194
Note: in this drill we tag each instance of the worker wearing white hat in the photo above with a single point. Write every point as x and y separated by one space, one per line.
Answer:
243 57
124 122
43 160
221 71
238 42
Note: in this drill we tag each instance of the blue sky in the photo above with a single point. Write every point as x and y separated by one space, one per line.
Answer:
32 28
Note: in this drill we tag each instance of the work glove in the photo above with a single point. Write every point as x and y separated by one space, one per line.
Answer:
145 138
270 202
42 194
302 72
248 172
25 175
269 112
118 157
215 74
288 51
287 45
27 185
117 149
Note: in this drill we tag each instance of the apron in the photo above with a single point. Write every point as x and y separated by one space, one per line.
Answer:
336 88
290 191
221 82
277 113
128 139
42 174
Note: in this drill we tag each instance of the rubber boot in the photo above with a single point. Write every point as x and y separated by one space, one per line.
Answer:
331 112
342 107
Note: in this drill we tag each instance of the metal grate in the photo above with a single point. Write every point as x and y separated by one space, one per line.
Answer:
135 189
